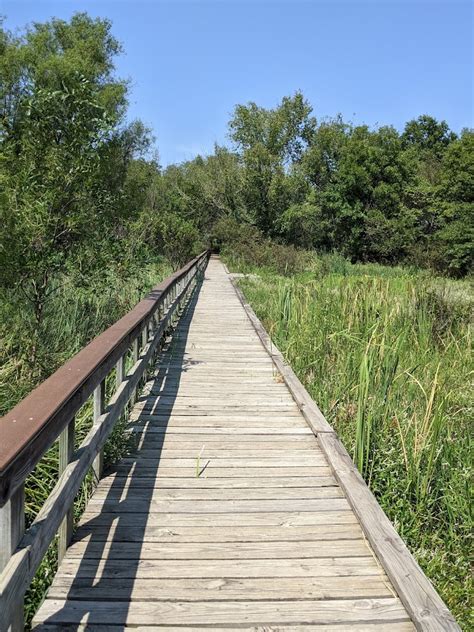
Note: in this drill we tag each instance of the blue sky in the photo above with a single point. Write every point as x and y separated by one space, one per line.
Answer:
190 62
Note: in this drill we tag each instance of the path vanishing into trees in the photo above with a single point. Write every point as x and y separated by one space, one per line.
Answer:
238 509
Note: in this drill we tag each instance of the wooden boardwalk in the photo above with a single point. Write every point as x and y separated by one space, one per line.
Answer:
228 516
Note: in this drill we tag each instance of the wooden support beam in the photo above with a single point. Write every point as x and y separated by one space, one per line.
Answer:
12 527
99 407
66 451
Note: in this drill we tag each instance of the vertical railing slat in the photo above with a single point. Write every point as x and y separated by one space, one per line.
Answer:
12 528
99 406
66 452
120 371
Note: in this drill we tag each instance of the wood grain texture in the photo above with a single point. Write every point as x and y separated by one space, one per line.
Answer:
399 626
222 589
217 550
223 612
66 451
227 514
127 530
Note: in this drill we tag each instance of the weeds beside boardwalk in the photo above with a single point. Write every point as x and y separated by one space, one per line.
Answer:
387 354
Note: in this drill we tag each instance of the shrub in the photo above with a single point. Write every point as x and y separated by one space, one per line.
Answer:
245 247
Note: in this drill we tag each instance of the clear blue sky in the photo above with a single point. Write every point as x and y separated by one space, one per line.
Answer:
190 62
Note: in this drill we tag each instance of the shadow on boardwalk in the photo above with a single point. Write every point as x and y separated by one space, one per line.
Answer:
117 532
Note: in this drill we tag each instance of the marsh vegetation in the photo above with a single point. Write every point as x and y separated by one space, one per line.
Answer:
387 354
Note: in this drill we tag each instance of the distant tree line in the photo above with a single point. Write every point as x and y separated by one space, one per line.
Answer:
369 194
79 189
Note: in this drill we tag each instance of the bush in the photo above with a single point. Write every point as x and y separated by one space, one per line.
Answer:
169 234
245 247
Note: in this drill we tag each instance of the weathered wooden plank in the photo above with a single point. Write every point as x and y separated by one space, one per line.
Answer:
263 366
279 519
140 469
125 529
142 569
222 612
250 485
399 626
267 419
264 401
208 421
12 527
220 407
237 454
196 443
191 390
262 442
99 407
216 551
249 493
66 451
246 431
176 380
158 461
221 590
140 505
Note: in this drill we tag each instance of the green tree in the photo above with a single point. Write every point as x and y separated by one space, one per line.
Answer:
428 136
358 178
313 221
205 189
454 242
60 112
271 142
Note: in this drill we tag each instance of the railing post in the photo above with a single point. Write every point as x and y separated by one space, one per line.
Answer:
135 356
99 406
175 300
120 371
66 451
12 528
144 342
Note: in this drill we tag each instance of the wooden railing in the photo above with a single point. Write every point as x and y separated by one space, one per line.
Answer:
48 414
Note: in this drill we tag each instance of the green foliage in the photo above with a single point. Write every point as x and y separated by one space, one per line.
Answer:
68 190
59 106
455 240
270 141
203 190
172 235
385 353
373 195
428 135
245 247
300 224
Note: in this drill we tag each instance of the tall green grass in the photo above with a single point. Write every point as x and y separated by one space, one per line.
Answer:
74 314
387 354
